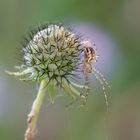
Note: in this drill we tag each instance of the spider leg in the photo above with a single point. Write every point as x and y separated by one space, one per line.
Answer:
85 90
102 83
102 77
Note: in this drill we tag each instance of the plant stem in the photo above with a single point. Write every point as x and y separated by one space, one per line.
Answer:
33 115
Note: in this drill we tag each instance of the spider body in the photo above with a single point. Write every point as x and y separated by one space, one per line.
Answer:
89 57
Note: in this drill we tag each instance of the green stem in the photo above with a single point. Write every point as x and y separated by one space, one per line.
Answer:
33 115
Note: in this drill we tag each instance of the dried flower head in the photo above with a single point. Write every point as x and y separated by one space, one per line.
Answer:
52 53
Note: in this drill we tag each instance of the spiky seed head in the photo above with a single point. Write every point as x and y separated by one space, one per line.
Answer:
53 52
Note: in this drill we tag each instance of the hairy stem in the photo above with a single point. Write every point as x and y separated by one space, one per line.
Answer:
33 115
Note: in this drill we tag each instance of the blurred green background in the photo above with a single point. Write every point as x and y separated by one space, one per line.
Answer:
121 21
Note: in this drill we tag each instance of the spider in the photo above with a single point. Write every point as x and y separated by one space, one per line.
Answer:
90 57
